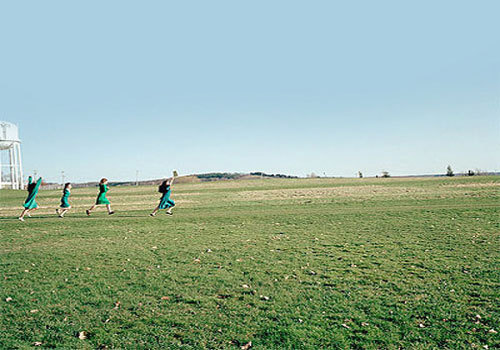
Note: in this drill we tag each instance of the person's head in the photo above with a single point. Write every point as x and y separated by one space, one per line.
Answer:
164 183
67 186
104 181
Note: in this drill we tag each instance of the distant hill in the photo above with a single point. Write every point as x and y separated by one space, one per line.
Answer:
194 178
208 177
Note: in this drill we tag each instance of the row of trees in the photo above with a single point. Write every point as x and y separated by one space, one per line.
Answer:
281 176
449 172
385 174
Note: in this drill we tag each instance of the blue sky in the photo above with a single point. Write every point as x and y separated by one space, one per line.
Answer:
103 88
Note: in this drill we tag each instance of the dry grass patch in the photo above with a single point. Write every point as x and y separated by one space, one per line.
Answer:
332 192
473 185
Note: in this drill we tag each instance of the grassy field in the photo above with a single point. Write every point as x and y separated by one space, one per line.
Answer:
283 264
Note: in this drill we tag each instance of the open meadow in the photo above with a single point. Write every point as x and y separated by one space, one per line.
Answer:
392 263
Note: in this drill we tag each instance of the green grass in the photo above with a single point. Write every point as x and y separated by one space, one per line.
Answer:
285 264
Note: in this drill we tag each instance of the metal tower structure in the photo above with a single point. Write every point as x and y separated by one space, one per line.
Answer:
11 173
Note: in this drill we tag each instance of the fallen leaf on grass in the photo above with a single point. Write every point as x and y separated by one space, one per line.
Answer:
492 331
34 311
245 286
364 324
263 297
83 335
165 298
247 346
345 326
421 325
37 343
8 299
197 260
223 296
117 305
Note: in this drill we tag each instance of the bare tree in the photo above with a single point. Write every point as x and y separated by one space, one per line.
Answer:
449 171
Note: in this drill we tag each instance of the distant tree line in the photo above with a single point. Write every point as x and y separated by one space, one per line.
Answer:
218 176
281 176
476 172
234 176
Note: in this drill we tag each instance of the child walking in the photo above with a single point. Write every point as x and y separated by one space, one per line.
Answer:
30 203
165 201
65 206
101 198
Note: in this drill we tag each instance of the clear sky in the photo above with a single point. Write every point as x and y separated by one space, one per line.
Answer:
103 88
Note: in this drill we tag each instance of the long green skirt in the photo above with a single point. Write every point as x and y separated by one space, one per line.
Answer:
166 202
101 199
30 204
64 203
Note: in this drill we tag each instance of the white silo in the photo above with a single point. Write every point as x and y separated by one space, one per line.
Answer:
9 142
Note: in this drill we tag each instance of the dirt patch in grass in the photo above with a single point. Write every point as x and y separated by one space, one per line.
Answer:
332 192
474 185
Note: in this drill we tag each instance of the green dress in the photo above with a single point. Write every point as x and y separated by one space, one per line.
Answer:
165 201
30 202
64 199
101 198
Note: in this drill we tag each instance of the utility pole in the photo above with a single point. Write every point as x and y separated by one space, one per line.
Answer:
34 175
137 177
